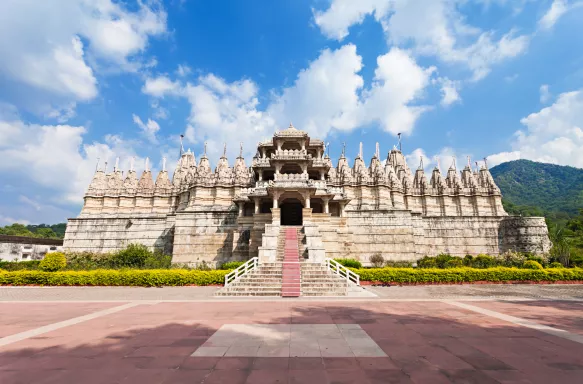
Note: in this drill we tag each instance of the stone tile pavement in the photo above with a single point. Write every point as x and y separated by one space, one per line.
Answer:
275 342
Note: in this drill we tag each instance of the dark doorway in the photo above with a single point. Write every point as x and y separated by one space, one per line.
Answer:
291 212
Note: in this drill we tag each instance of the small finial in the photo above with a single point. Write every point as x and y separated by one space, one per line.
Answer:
147 165
421 162
97 165
224 149
132 163
164 164
486 162
469 163
477 166
453 163
291 126
399 135
105 167
377 153
438 164
241 149
204 154
343 149
116 167
360 150
328 149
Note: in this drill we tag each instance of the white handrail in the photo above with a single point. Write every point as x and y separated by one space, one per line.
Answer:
241 271
342 271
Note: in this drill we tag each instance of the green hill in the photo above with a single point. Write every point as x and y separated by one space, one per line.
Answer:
532 188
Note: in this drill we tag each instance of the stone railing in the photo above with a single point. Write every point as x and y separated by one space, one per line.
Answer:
260 162
292 154
291 176
320 184
319 163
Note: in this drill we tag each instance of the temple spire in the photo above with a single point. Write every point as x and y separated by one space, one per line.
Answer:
224 149
453 163
469 163
377 152
420 162
486 162
241 149
164 164
343 149
147 165
360 150
204 153
132 163
97 165
116 166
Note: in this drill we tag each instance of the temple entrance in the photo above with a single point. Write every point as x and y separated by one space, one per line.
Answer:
291 212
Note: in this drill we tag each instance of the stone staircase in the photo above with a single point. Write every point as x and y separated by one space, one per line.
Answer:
290 275
291 272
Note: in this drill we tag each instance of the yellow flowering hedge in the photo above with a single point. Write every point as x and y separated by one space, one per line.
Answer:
111 277
467 275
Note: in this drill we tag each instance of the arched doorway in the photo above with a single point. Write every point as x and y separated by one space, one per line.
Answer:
291 212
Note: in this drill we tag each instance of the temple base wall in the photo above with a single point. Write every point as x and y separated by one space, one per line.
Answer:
218 236
111 233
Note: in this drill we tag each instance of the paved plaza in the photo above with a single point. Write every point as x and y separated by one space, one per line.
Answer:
530 334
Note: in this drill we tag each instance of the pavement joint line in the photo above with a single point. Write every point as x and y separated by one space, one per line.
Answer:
520 321
317 299
65 323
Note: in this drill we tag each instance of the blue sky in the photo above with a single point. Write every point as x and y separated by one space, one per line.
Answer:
88 79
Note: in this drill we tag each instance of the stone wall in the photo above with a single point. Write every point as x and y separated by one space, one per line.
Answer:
106 234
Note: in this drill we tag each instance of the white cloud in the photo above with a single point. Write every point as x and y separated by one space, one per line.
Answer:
183 70
545 95
324 95
327 95
431 27
45 45
557 9
449 91
6 220
26 200
160 86
503 157
552 135
55 156
149 129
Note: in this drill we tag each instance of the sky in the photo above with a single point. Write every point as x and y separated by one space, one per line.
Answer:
84 82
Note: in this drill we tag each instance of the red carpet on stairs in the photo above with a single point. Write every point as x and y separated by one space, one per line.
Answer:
291 265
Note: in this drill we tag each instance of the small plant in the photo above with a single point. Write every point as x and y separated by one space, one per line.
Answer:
555 264
511 259
483 261
468 259
232 265
377 260
52 262
531 264
398 264
427 262
203 266
454 263
133 256
349 263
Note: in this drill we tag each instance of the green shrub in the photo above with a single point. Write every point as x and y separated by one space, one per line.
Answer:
19 265
456 262
109 277
468 259
483 261
133 256
53 262
555 264
158 261
88 260
531 264
377 260
538 259
467 275
427 262
398 264
511 259
349 263
232 265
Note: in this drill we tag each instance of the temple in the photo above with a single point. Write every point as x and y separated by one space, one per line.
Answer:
236 213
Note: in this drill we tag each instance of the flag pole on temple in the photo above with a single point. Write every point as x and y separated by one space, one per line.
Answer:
181 145
399 135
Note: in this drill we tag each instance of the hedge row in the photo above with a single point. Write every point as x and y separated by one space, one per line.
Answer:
130 277
467 275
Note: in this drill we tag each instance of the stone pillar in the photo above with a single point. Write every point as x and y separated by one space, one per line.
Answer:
257 202
263 153
342 205
241 208
303 145
277 169
326 207
307 202
322 175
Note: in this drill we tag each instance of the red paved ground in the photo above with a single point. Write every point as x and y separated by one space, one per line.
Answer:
567 315
426 342
19 317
